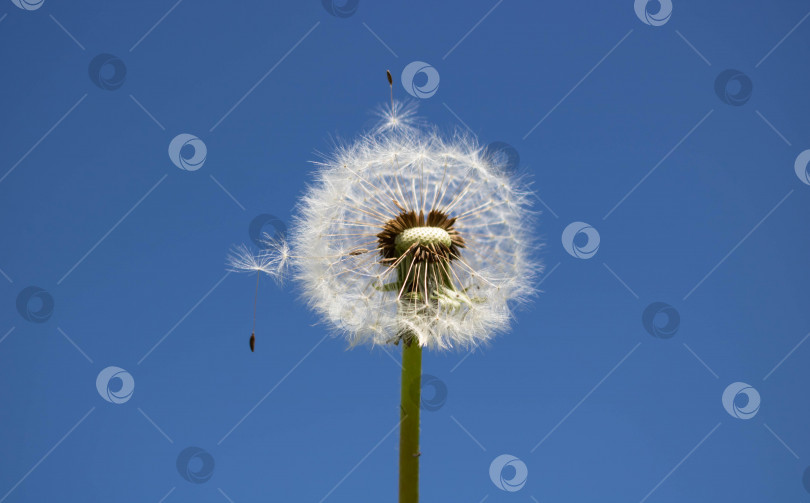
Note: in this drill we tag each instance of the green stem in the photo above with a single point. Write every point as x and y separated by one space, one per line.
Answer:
409 421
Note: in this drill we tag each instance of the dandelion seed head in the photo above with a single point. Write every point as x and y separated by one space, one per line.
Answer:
408 233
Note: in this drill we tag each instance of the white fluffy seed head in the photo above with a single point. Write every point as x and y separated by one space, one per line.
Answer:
337 259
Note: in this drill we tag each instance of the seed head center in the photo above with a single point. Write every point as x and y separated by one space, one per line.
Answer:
425 236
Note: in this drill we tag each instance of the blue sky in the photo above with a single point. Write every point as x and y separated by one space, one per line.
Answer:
629 124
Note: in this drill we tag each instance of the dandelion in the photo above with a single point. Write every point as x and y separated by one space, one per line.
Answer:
408 236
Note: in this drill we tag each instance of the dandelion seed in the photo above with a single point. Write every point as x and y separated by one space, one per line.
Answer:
241 259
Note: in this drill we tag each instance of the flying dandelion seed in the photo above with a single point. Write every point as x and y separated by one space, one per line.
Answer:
269 261
409 236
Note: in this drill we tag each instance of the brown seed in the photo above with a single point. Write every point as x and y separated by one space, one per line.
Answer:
252 342
390 80
359 251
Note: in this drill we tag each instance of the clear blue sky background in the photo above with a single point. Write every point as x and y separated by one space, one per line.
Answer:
596 407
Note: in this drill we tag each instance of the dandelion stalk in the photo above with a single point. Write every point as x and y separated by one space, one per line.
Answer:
409 421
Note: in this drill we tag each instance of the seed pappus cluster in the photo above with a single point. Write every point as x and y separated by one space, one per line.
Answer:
406 233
